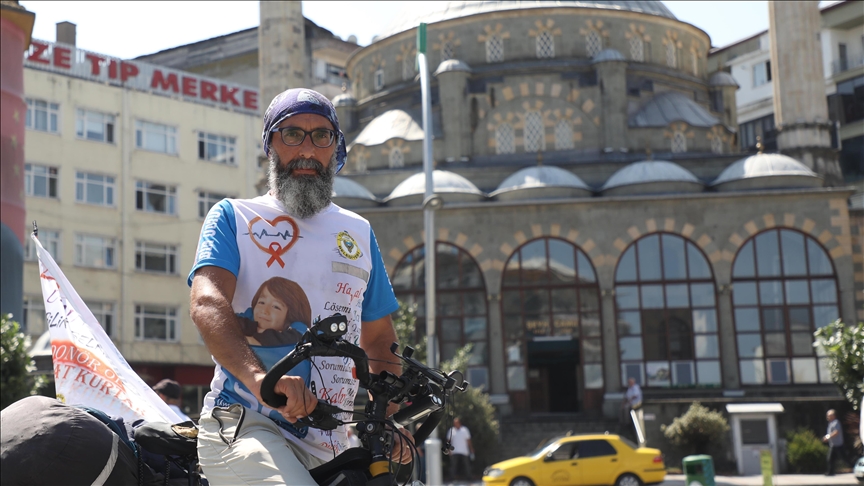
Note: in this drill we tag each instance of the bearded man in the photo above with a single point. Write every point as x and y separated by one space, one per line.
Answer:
295 232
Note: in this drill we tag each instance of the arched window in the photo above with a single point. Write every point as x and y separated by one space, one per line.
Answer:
461 313
535 136
408 67
593 43
379 80
563 135
550 304
679 142
446 51
504 139
783 289
671 54
637 48
494 49
545 45
397 158
717 145
694 59
667 314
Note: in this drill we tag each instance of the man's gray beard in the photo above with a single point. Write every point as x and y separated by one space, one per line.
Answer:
303 196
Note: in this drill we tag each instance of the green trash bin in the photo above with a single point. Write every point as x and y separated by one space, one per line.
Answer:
698 470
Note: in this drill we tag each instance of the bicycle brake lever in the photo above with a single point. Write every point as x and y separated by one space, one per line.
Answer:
323 417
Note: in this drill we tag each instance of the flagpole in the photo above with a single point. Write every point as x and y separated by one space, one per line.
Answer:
430 204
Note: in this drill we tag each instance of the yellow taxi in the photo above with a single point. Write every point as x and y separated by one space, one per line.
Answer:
581 460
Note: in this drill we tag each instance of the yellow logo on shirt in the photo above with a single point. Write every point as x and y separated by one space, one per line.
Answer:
347 246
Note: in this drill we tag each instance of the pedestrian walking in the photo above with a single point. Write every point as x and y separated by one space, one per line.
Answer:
834 439
463 450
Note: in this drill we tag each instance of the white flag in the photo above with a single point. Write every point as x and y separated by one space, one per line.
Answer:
88 368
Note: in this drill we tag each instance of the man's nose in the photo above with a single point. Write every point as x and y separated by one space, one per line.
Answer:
307 148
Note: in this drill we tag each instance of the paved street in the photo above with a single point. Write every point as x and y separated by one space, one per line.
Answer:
780 480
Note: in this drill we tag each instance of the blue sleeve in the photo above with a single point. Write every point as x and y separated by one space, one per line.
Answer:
217 244
379 299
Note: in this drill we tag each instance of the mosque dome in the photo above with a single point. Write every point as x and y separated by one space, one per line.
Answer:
766 171
388 125
411 19
722 78
608 55
452 65
672 106
351 194
344 99
651 177
544 182
450 186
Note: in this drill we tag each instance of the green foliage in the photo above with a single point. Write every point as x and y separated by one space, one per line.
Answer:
806 453
696 430
844 348
16 382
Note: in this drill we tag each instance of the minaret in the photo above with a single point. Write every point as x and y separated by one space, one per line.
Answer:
800 106
282 61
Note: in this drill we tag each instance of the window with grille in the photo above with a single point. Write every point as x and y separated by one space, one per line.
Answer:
671 54
593 43
158 323
155 198
784 287
679 142
563 135
50 240
40 180
95 126
216 148
717 145
42 116
637 48
95 251
408 65
545 45
97 189
504 139
447 51
494 49
397 158
535 139
667 314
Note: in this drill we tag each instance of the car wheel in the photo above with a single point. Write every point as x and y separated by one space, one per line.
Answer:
521 482
628 480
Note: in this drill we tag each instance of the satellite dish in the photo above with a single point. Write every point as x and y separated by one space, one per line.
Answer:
352 39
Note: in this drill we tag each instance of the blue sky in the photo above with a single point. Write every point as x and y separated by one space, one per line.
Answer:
129 29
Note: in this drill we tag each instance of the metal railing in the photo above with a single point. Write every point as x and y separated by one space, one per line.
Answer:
844 64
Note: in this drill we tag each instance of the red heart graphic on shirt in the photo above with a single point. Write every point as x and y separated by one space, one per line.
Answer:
274 249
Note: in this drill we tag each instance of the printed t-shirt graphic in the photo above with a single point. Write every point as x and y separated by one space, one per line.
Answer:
290 274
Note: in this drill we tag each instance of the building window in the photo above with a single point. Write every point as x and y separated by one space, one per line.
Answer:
842 57
717 101
156 137
379 80
95 189
671 54
397 158
33 318
408 67
637 48
545 45
846 105
762 128
535 136
461 311
679 142
42 116
761 73
94 251
207 200
504 139
50 240
494 49
563 135
216 148
783 289
447 51
157 323
667 314
694 59
40 180
717 145
155 198
154 257
593 43
95 126
104 314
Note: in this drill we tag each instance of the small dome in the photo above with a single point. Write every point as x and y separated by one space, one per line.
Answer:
351 194
344 99
450 186
452 65
608 55
766 171
722 78
651 177
388 125
671 106
541 183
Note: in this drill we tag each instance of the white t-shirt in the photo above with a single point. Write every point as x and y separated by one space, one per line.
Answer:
459 440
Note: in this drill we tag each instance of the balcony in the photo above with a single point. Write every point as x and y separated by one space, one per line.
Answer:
845 64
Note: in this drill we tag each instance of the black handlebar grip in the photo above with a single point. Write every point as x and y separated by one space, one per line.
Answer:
323 417
428 426
286 364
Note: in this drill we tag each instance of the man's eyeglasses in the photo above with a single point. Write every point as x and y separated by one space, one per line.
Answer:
293 136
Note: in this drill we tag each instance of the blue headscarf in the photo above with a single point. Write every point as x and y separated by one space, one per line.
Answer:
297 101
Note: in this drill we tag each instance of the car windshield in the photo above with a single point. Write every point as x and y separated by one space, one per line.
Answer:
543 446
628 443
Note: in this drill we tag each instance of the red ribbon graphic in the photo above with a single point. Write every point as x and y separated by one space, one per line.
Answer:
275 249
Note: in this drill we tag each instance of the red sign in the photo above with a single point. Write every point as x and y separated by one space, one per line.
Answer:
138 75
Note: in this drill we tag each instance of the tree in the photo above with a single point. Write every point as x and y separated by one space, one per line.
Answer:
16 382
844 350
696 430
